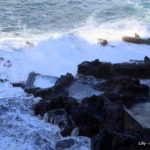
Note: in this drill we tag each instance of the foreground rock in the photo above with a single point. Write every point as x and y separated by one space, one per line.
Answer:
111 140
61 118
106 70
104 117
93 114
128 90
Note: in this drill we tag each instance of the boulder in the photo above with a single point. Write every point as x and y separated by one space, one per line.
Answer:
106 70
146 59
87 121
42 107
46 105
95 68
98 112
130 91
64 81
111 140
61 118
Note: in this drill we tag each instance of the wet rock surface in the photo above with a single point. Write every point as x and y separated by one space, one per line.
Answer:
106 70
61 118
104 116
128 90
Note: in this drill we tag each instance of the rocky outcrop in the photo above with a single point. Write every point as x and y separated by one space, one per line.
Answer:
129 91
96 113
106 117
106 70
111 140
46 105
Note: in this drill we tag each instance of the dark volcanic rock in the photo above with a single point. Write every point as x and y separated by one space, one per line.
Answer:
87 121
95 68
111 140
96 113
107 70
66 103
42 107
129 90
63 81
62 119
146 59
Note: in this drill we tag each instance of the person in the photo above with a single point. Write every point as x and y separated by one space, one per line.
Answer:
136 35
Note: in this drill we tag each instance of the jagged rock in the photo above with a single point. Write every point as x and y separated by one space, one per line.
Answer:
65 144
63 81
42 107
66 103
95 68
129 90
111 140
146 59
87 121
106 70
62 119
96 113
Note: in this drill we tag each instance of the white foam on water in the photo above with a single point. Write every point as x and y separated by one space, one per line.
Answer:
21 130
20 40
44 81
111 31
58 56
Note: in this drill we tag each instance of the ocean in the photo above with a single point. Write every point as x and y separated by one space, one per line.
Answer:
52 37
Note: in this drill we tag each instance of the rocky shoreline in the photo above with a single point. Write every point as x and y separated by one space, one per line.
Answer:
104 114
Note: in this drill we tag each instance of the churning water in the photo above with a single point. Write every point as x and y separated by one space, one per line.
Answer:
51 37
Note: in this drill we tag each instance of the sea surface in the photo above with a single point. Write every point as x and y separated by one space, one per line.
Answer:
52 37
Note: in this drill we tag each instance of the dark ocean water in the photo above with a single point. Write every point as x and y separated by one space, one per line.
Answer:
42 16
